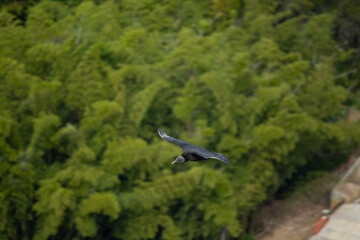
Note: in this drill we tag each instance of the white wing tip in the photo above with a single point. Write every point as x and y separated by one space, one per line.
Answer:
222 160
162 134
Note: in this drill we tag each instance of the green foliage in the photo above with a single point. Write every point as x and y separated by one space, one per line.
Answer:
17 184
84 85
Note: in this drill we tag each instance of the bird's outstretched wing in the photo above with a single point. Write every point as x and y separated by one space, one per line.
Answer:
184 145
194 149
202 152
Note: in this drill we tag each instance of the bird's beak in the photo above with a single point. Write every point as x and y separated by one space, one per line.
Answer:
173 162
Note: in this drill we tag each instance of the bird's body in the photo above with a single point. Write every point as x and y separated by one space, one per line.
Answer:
192 157
192 152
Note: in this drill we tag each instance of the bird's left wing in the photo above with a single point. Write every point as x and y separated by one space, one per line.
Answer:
184 145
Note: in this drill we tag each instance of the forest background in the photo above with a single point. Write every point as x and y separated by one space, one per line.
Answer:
84 85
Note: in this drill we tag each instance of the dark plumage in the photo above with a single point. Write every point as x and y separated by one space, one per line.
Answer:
192 152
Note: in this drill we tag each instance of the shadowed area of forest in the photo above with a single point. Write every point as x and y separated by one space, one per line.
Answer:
84 86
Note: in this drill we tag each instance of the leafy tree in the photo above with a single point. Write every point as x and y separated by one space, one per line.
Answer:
84 85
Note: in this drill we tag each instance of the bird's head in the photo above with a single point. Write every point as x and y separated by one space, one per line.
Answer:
179 159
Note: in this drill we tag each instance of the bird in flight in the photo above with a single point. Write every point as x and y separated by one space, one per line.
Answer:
192 152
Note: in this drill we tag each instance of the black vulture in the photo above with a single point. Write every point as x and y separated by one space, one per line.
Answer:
192 152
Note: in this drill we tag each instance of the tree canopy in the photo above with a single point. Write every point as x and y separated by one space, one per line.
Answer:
84 85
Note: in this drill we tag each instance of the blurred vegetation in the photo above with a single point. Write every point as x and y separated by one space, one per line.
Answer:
84 85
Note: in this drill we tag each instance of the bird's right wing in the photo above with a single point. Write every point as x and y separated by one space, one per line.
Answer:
221 157
202 152
184 145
